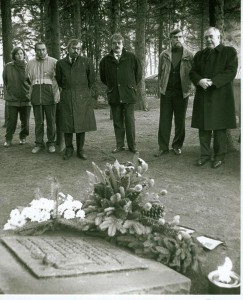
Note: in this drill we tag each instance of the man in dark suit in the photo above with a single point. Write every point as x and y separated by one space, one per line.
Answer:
121 71
213 71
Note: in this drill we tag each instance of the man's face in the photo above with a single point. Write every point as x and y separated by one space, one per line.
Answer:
212 39
19 55
41 51
117 46
74 50
177 40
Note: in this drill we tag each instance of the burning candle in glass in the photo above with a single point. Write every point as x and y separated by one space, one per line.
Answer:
224 280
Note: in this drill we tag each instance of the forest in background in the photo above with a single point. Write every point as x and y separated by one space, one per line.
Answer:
145 25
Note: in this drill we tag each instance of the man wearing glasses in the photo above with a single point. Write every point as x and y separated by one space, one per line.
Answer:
75 76
175 86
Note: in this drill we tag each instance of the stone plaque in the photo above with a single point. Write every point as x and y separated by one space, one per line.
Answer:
60 256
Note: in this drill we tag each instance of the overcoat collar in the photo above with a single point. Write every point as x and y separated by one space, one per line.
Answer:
185 53
123 55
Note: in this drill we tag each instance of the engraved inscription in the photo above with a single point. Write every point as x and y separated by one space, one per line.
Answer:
49 256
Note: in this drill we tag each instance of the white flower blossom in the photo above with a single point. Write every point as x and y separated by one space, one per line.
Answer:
147 206
15 213
76 204
69 197
80 214
8 226
163 192
138 188
69 214
176 220
151 182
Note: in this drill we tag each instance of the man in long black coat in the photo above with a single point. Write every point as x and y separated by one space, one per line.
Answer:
121 72
212 73
75 76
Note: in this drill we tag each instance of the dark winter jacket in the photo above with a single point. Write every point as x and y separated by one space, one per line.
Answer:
16 86
121 78
214 108
76 103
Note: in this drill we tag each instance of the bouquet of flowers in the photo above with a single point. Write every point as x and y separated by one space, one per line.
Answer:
44 214
120 205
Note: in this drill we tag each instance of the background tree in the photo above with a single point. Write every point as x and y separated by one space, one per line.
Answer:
115 16
7 37
52 28
140 50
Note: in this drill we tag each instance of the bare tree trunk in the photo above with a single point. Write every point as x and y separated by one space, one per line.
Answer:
6 30
52 28
42 20
77 19
140 51
115 15
52 40
7 39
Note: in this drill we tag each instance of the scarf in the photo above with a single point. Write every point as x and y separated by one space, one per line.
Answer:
20 64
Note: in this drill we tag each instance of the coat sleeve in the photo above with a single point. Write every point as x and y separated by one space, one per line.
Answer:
102 71
90 73
5 79
194 73
58 72
230 70
138 70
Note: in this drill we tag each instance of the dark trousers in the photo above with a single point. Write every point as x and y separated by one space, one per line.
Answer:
47 112
219 143
124 123
80 138
172 103
12 119
59 134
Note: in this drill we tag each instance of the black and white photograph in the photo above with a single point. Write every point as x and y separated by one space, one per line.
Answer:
120 149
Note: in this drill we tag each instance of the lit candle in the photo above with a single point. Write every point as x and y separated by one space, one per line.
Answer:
224 280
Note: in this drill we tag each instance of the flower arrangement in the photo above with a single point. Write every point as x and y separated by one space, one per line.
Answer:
43 214
120 208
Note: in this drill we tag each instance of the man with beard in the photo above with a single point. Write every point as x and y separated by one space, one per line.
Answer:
75 76
175 86
121 72
213 71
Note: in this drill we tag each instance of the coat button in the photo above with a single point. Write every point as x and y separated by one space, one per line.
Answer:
119 84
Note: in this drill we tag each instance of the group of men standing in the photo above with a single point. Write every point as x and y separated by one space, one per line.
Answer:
63 88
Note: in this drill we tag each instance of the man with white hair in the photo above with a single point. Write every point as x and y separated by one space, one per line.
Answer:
213 71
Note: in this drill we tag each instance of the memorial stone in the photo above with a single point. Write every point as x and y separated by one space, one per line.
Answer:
74 264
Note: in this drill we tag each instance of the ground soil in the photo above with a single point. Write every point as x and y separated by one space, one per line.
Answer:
207 200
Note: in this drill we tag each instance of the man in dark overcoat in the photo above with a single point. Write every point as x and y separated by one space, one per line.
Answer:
212 73
75 76
121 72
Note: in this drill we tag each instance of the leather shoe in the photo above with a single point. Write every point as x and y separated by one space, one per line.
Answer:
133 150
81 155
177 151
161 152
217 163
202 161
68 154
119 149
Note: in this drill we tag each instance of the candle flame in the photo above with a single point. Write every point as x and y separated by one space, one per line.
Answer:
224 270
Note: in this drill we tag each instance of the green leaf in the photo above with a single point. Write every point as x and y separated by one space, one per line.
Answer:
162 250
